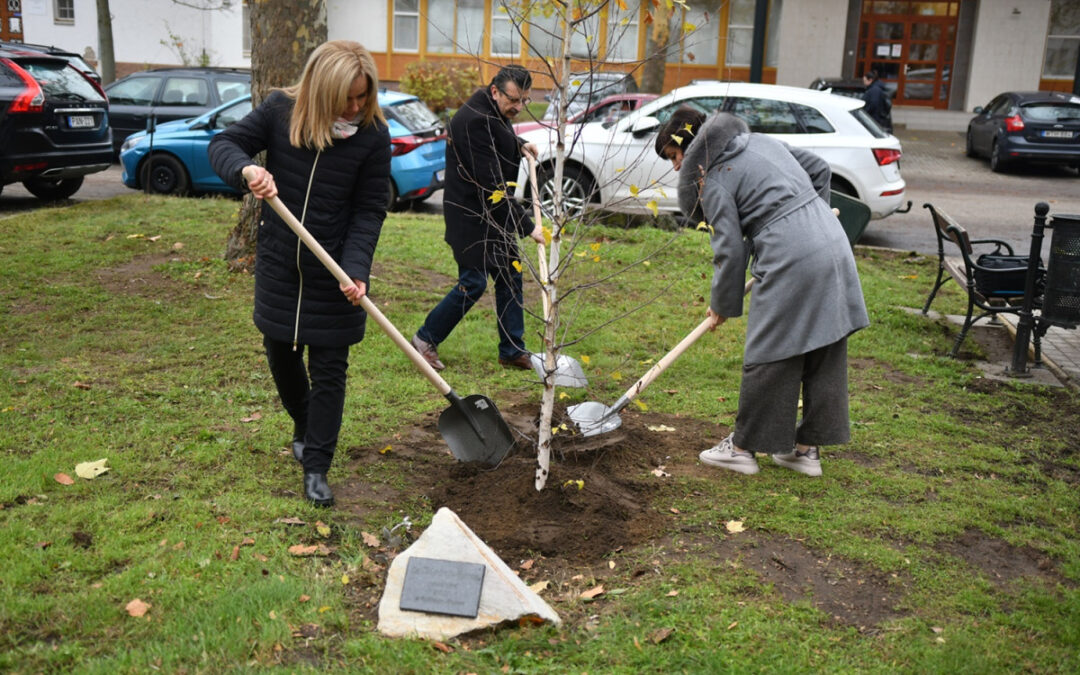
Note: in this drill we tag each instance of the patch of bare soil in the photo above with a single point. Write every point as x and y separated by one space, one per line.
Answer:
138 278
1000 562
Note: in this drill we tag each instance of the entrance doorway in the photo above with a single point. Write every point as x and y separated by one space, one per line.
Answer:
911 45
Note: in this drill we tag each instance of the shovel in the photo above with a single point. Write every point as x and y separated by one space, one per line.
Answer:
594 418
471 426
568 372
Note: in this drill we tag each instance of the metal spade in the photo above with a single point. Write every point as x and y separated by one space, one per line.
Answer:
471 426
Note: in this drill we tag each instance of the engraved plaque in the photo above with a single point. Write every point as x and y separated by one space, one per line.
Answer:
442 587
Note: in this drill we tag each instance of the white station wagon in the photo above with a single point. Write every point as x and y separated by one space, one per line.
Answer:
614 166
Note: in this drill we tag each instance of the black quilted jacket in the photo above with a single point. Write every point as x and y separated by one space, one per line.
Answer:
296 297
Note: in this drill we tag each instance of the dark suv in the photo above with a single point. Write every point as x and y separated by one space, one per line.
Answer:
71 57
167 94
54 124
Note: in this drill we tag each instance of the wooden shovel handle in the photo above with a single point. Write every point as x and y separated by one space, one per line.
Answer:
368 306
538 219
665 361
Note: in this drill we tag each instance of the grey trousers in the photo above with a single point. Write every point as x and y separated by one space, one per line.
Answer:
767 420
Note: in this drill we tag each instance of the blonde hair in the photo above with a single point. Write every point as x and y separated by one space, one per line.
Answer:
323 91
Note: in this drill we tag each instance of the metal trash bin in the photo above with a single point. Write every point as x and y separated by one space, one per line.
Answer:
1061 301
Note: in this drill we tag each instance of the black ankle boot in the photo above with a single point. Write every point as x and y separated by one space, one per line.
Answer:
317 490
298 448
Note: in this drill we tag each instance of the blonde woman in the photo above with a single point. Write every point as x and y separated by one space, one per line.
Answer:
328 159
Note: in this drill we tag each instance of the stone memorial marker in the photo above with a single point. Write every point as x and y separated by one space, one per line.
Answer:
442 586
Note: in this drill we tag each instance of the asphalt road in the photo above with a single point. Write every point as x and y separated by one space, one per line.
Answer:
988 204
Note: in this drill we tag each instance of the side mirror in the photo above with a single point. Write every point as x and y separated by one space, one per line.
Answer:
208 124
644 125
979 110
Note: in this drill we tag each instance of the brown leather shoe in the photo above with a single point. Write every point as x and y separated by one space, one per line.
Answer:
428 351
522 361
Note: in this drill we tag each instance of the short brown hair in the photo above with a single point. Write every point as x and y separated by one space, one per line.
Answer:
680 129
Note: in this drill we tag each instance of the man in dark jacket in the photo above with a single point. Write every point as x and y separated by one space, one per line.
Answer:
878 101
482 223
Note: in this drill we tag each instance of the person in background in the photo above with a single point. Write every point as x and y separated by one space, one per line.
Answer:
766 206
482 223
328 159
878 101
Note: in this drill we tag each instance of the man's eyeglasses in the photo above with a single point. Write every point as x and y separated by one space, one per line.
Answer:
525 100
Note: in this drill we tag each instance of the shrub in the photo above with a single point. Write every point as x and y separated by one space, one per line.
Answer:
440 84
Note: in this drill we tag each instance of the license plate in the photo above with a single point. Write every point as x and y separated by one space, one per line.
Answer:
439 176
1057 134
81 122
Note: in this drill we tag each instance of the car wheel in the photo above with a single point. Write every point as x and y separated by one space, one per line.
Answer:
50 189
837 184
577 190
394 203
164 175
997 161
969 146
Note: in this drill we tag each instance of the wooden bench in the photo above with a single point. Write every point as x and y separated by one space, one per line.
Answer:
982 284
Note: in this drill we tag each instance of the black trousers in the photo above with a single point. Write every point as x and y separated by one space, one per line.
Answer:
313 395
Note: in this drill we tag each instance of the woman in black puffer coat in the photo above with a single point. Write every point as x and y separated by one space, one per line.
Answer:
328 158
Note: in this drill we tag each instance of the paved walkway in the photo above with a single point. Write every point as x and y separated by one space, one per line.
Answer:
1060 347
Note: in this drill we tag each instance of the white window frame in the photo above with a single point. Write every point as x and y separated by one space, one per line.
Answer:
64 12
415 15
245 30
624 32
503 17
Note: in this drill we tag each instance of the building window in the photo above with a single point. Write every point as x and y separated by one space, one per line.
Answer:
406 25
741 33
1062 40
64 11
455 26
505 40
245 35
622 32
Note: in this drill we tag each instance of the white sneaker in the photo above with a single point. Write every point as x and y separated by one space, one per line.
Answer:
804 461
725 456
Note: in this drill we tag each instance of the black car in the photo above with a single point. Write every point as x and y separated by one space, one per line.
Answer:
167 94
54 124
74 59
1027 127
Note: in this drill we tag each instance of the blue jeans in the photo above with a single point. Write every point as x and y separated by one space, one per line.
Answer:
470 286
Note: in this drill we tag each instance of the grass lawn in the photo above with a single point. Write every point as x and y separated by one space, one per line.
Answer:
943 538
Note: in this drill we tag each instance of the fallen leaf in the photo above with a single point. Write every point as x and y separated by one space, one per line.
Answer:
91 470
442 647
672 594
291 520
734 526
80 385
235 553
673 510
344 579
937 629
659 427
592 592
272 615
252 417
369 539
611 564
137 607
385 450
539 587
322 528
155 237
732 625
248 541
659 472
658 636
641 404
527 565
64 479
314 549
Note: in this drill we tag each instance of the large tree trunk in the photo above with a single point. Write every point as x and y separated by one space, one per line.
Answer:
283 34
656 47
106 55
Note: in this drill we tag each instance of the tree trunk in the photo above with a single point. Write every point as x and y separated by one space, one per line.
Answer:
283 34
656 47
106 55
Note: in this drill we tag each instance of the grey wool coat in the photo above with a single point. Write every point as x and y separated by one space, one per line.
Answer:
768 201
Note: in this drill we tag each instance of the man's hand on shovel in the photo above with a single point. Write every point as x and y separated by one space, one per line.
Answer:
262 186
717 319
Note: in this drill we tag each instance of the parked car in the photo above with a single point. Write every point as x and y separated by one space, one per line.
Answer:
844 86
167 94
1027 127
74 59
54 124
173 160
585 90
609 109
615 167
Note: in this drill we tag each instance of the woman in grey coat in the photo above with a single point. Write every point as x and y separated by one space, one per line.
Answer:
766 205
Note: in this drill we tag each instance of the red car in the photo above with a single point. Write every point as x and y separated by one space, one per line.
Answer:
608 109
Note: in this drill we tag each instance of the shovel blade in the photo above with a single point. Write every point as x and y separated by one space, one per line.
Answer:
475 431
593 418
568 372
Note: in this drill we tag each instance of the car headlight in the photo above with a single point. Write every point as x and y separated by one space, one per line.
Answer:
130 143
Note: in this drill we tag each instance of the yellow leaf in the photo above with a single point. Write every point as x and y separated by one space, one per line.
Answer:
646 263
705 226
734 526
496 196
90 470
688 27
511 183
595 246
554 430
596 258
689 129
517 265
634 190
677 139
622 5
562 395
539 587
620 169
575 83
322 528
324 608
652 206
616 376
563 427
385 450
640 404
547 234
585 359
344 579
272 615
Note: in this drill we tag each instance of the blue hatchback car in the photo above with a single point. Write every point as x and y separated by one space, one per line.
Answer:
173 159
